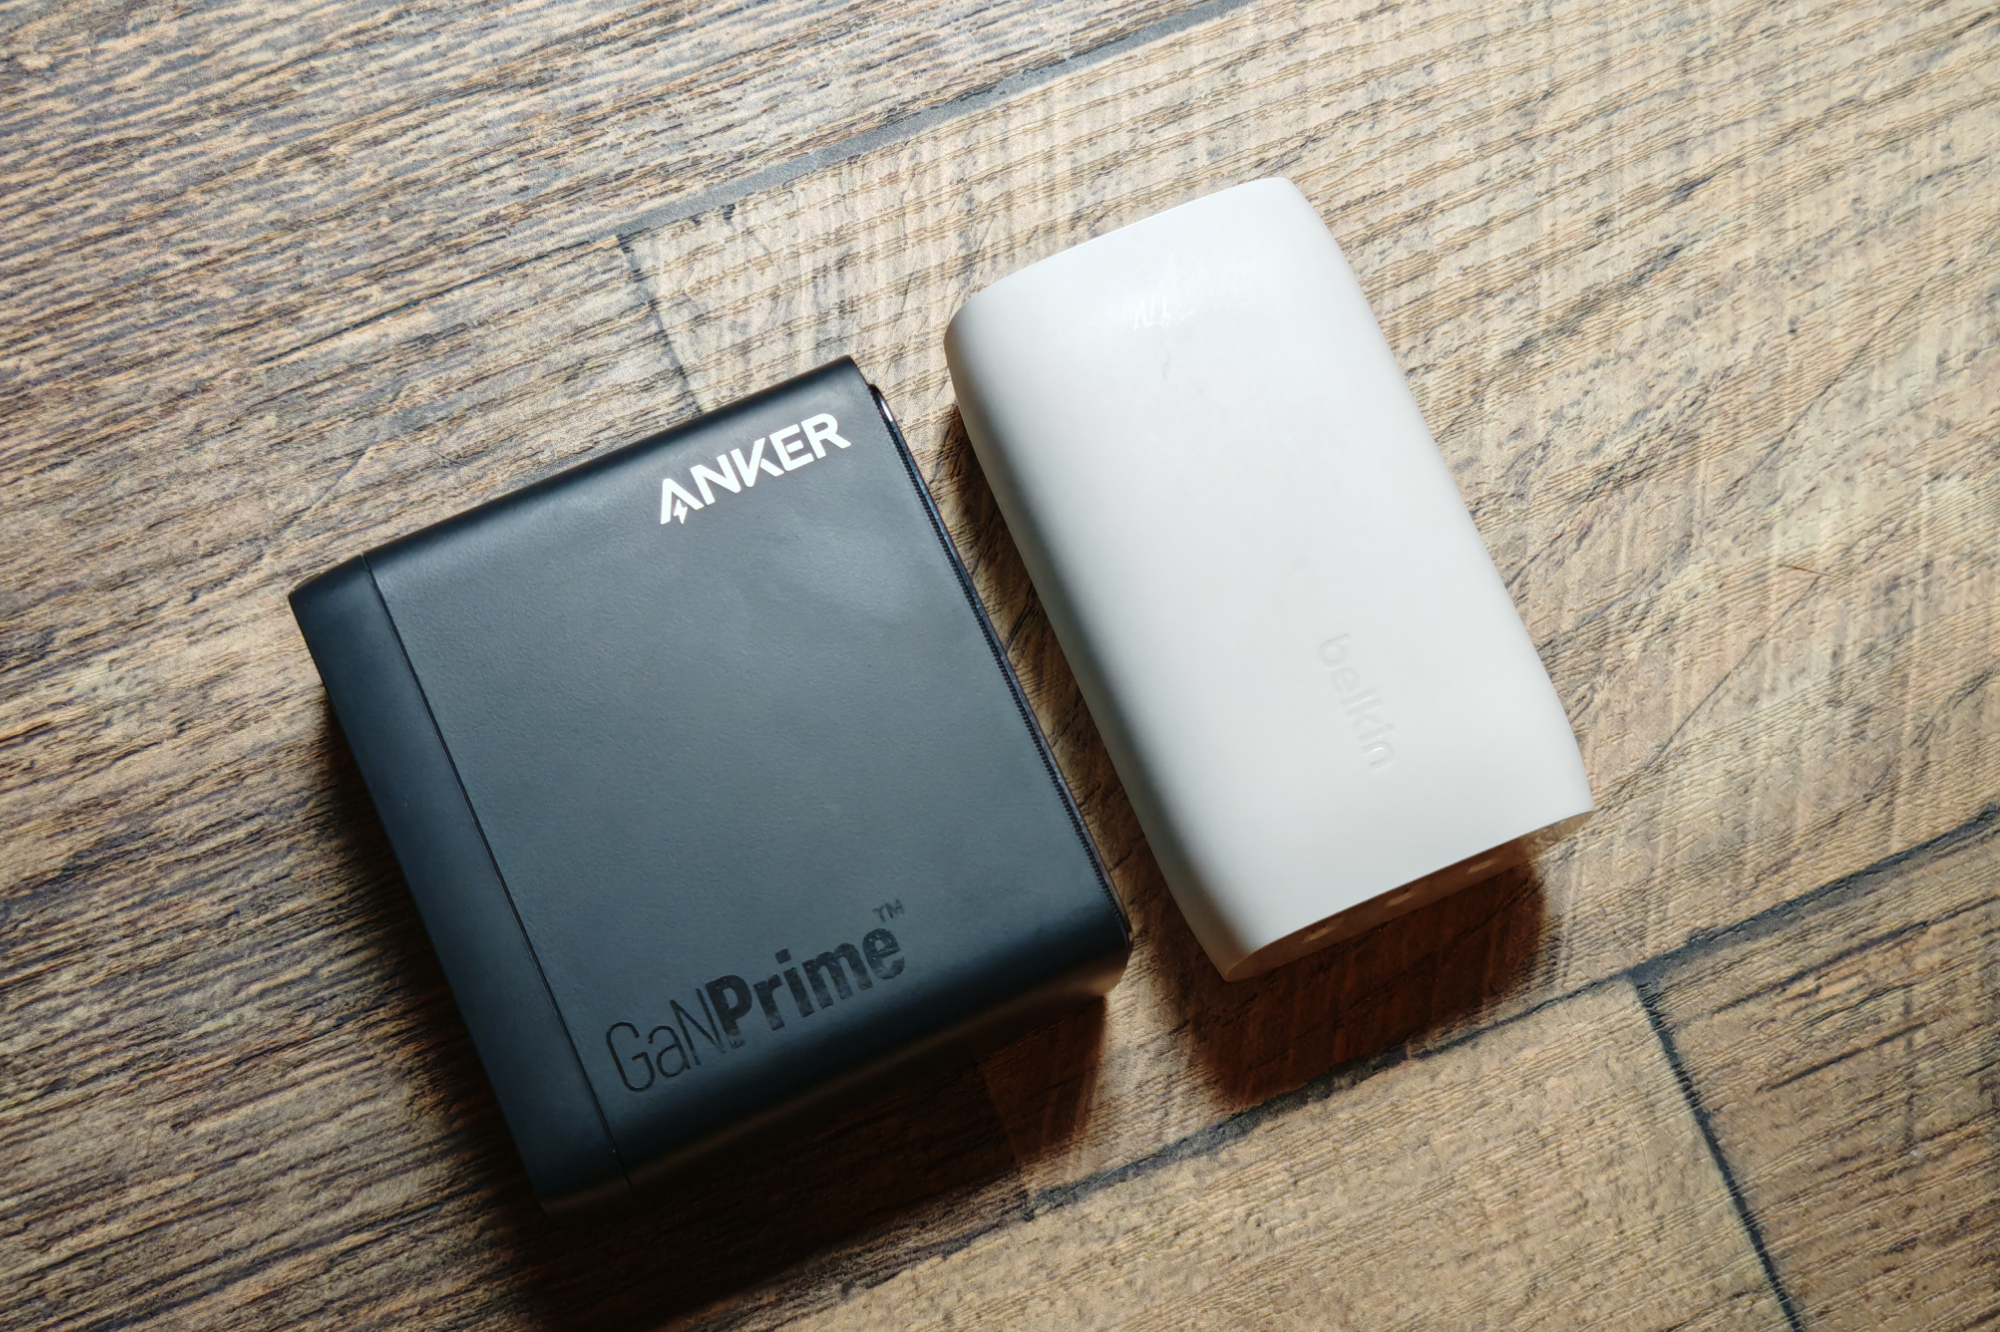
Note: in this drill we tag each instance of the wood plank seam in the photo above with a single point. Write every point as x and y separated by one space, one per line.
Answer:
896 131
724 195
1649 1000
1983 824
1644 977
637 276
1847 1067
1380 1208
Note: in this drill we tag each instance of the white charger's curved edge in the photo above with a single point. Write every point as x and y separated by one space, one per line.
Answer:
1314 684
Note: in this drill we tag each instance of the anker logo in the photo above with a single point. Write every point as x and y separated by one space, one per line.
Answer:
678 1043
734 472
1359 701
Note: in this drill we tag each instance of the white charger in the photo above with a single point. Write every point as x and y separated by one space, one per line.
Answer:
1314 684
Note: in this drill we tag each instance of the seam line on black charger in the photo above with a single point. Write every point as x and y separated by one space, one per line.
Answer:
527 939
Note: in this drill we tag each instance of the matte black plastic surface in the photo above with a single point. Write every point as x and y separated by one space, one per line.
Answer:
486 956
718 819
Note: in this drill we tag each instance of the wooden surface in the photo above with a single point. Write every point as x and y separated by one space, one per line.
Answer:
1847 1058
1703 305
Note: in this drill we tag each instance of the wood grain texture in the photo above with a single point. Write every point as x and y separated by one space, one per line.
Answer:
1700 301
1391 1204
186 189
1745 503
1849 1066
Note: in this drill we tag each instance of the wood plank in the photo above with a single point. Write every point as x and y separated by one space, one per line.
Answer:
189 187
1846 1062
1744 493
1545 1174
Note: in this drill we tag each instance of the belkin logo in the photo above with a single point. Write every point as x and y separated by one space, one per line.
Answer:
1359 702
736 471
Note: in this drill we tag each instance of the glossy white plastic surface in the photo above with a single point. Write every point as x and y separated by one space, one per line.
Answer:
1311 678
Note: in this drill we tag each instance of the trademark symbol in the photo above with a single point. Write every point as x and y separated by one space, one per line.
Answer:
889 910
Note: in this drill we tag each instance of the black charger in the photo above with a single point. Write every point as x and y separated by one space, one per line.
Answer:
713 786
